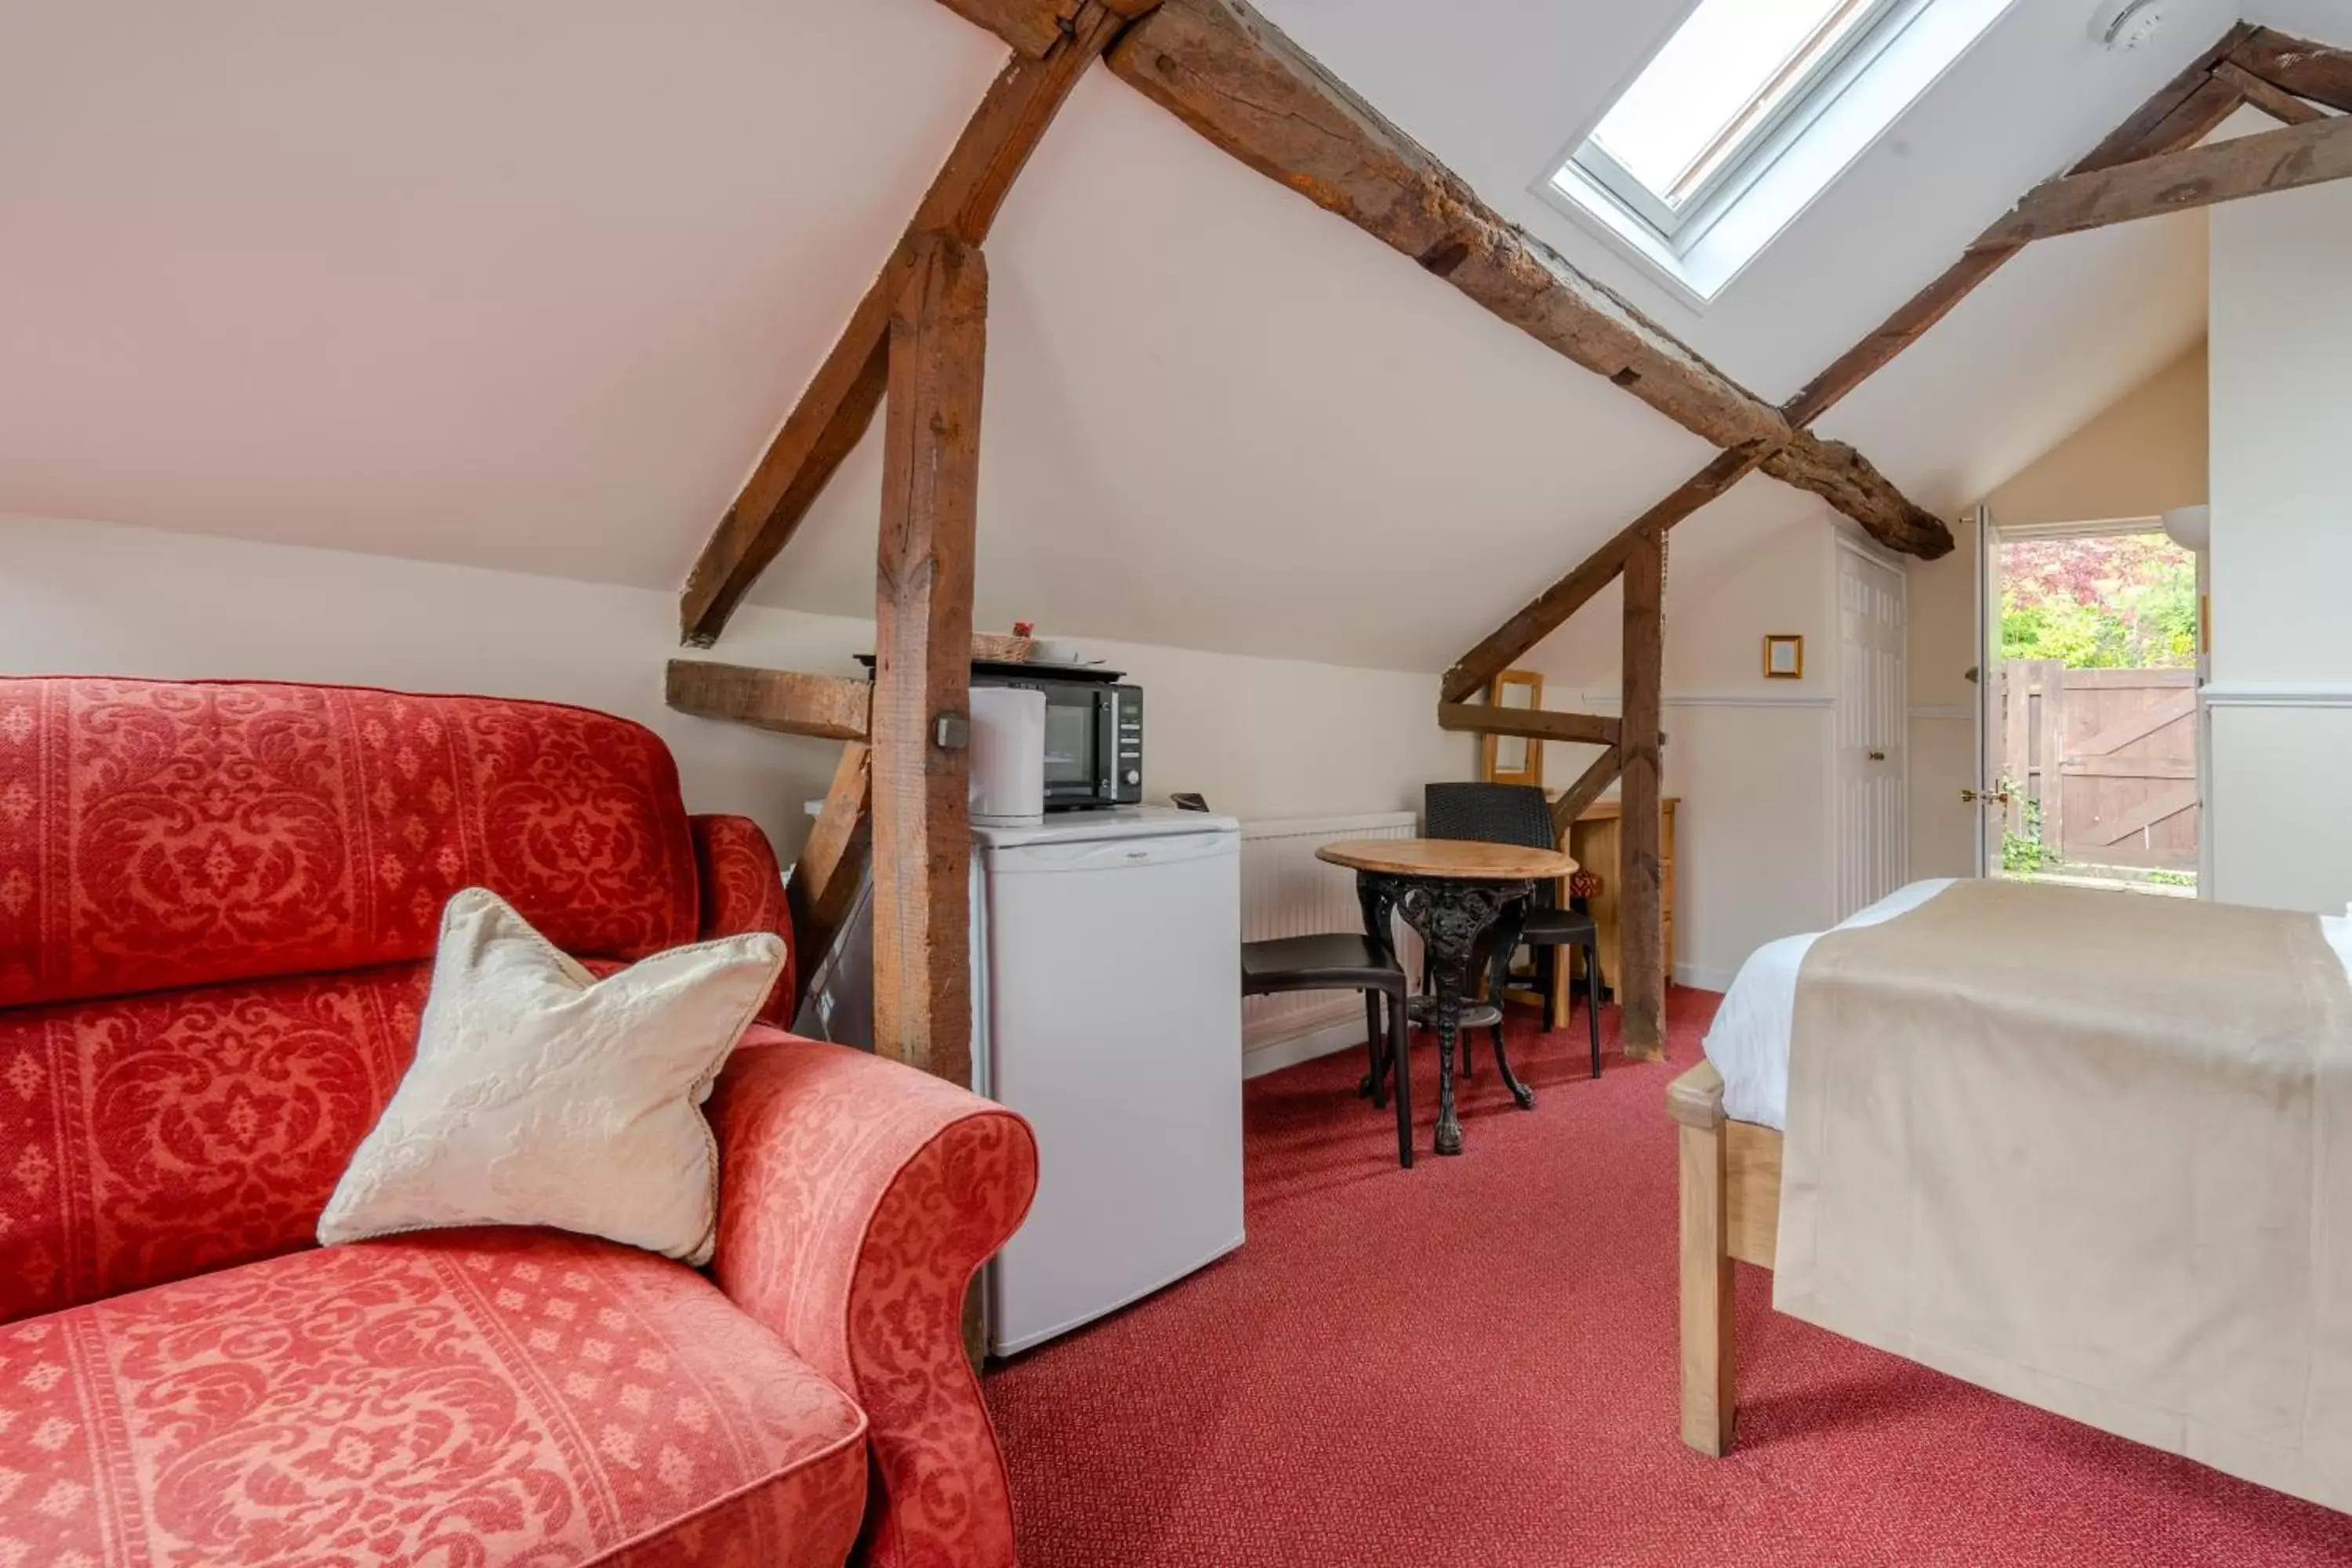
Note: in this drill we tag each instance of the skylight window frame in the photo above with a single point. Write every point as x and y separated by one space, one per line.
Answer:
1681 228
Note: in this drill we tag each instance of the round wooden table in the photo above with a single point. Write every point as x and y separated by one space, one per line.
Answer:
1450 891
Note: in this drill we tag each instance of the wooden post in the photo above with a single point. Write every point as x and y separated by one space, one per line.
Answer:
922 677
1641 917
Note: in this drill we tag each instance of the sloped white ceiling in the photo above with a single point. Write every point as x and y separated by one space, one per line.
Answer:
1218 416
518 285
1499 89
530 286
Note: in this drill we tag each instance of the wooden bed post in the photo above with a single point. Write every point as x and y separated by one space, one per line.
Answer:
1695 1102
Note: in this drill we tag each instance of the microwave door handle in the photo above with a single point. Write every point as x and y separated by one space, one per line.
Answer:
1106 743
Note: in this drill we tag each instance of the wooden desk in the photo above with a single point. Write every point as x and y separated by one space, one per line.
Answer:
1594 839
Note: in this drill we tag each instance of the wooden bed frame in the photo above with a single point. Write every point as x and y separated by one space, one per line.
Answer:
1731 1209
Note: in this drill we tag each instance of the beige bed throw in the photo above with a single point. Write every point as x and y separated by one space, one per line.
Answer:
2094 1151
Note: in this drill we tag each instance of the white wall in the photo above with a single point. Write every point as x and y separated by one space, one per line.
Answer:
2143 456
1261 738
1748 758
2281 697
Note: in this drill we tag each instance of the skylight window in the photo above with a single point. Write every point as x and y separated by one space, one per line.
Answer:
1721 85
1745 115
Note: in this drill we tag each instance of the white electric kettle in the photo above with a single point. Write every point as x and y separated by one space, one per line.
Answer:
1008 756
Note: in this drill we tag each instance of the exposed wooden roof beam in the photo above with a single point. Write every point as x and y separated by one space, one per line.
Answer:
1590 786
1238 81
2281 160
2180 114
1035 27
2310 70
837 408
825 878
1535 723
1853 484
2177 115
2273 101
828 707
1552 607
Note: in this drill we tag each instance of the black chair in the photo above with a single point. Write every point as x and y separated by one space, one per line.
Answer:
1520 814
1343 962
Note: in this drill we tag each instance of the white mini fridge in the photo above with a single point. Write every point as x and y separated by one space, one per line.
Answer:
1106 1010
1106 995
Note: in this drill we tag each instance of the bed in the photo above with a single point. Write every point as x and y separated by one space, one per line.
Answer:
1732 1110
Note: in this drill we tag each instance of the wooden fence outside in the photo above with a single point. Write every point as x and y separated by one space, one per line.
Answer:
2124 788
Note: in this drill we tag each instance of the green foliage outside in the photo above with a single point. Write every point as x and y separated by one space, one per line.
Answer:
2127 602
2023 854
2123 602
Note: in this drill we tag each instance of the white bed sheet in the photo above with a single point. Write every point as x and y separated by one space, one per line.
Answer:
1748 1042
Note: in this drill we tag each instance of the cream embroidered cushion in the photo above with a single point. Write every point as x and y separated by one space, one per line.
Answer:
541 1095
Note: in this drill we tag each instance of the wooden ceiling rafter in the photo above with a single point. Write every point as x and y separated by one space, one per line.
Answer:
2311 154
2269 97
2177 116
1240 82
1054 42
2319 72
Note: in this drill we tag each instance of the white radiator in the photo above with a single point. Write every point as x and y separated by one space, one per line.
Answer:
1286 891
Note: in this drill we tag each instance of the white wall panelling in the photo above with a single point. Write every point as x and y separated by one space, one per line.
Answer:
1286 891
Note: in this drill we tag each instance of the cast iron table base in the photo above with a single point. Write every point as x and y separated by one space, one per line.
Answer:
1451 914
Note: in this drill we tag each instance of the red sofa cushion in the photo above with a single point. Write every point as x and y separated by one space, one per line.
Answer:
158 833
490 1397
148 1138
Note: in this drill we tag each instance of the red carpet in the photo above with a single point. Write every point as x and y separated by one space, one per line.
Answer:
1473 1362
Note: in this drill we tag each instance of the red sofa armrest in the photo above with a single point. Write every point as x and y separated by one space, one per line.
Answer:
743 890
857 1198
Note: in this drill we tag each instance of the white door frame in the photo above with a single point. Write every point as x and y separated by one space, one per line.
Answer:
1988 671
1989 537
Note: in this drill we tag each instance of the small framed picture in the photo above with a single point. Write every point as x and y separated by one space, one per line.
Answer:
1784 655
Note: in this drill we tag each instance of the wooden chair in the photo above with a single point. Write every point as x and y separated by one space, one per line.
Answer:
1520 814
1344 961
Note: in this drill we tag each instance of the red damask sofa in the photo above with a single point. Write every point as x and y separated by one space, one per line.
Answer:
218 909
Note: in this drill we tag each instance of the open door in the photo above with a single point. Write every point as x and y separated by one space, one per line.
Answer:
2088 728
1988 796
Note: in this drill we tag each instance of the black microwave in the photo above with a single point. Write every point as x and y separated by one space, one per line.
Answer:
1094 732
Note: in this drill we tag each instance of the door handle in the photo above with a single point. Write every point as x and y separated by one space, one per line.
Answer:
1997 796
1878 756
